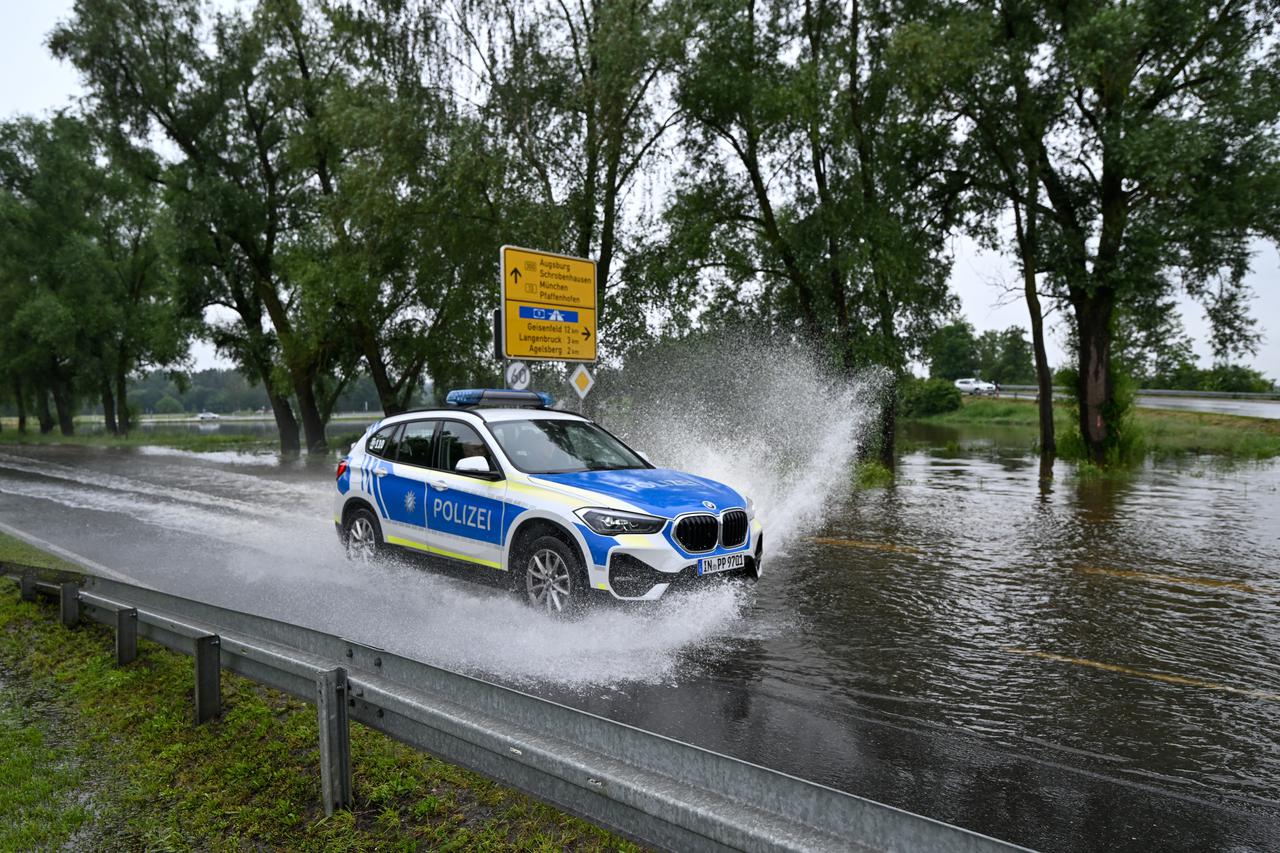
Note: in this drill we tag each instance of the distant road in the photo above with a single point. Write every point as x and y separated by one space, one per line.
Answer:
1215 405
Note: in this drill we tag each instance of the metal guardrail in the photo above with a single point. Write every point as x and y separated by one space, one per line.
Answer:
663 793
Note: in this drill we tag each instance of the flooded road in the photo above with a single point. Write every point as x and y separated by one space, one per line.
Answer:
1066 664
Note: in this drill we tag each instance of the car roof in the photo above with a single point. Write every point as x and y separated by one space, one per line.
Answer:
487 414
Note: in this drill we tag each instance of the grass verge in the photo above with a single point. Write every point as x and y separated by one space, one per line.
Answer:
1164 432
193 441
97 756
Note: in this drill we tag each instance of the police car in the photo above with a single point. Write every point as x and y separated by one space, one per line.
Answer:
499 480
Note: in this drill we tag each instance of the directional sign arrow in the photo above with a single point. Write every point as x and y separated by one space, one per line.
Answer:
515 275
586 333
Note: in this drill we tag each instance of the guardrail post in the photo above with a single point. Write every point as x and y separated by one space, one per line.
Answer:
70 604
335 740
208 678
27 586
126 635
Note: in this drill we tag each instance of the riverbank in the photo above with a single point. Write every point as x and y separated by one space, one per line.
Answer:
1163 432
94 756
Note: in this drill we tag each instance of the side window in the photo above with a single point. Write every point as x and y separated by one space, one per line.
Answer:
417 444
383 442
458 441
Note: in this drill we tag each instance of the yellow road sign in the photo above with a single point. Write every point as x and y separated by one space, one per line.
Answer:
548 306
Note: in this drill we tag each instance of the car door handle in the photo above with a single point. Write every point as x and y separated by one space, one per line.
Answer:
381 472
440 484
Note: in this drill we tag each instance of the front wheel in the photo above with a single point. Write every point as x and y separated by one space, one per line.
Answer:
554 579
363 536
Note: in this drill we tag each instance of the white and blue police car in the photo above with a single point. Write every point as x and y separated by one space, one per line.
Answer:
498 479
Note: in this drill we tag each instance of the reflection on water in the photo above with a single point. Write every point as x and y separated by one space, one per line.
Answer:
1173 573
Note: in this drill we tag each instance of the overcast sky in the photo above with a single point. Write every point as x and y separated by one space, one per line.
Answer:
34 83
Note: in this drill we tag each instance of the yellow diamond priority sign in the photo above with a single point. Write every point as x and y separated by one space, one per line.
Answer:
548 306
581 380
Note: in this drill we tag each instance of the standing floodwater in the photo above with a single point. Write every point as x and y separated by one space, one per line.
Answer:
1071 664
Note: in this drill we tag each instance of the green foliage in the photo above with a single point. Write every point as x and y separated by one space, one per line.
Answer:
86 280
812 200
870 474
1002 357
1221 377
1005 357
952 351
337 180
167 405
919 398
1125 444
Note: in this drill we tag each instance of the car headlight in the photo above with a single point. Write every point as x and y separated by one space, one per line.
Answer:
751 508
611 522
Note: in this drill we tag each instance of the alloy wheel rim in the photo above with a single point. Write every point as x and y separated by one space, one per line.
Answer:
548 581
361 543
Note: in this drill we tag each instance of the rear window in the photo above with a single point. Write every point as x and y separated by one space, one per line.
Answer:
383 442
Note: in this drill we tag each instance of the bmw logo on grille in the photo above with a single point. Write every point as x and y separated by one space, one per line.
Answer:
709 505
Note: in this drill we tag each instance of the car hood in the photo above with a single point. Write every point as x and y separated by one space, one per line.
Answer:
659 491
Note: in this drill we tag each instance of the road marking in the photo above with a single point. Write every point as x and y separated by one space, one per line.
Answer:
1215 583
1154 676
869 546
71 556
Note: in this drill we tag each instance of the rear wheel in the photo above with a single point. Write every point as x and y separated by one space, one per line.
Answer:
363 536
554 578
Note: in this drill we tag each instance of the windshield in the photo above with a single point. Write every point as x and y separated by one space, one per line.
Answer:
561 447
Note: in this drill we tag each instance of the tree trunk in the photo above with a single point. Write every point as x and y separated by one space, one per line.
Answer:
43 415
1094 390
1026 220
123 419
312 422
286 424
1044 377
21 401
388 393
300 362
889 427
62 403
109 408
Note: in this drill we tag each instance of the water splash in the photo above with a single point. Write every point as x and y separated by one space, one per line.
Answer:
768 419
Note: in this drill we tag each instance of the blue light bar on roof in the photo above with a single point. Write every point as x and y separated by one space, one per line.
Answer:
499 397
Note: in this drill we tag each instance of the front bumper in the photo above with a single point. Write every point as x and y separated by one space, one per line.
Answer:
646 567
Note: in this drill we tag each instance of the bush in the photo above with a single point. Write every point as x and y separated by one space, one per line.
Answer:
167 405
919 398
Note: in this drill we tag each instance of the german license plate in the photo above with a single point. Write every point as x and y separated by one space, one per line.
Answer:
723 563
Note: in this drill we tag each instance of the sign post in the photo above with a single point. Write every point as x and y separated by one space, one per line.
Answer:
581 380
548 306
517 375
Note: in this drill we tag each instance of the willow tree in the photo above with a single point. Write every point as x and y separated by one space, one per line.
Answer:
85 279
814 183
574 95
1144 149
211 86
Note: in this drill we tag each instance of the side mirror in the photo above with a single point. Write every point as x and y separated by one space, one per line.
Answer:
473 465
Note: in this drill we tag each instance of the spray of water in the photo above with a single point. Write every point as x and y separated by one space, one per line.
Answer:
769 420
